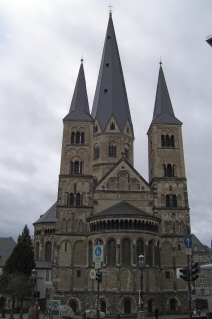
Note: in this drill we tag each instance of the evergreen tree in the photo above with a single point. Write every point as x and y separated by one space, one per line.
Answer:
21 260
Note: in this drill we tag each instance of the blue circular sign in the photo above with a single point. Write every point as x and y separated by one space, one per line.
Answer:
98 251
188 241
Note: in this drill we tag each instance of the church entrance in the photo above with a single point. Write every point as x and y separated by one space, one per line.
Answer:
127 306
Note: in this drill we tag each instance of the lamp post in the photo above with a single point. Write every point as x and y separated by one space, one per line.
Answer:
31 314
34 278
141 263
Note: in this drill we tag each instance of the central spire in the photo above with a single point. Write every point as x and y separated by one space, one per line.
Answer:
111 96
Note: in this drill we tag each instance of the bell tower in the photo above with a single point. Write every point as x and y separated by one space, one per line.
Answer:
166 162
75 179
113 129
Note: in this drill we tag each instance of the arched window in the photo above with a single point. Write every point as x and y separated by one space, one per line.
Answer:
76 167
72 137
82 140
112 151
168 203
78 137
174 201
78 199
126 252
111 252
150 252
169 170
48 251
172 141
167 141
112 126
163 143
71 202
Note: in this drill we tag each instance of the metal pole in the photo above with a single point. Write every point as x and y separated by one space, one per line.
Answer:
142 294
189 287
98 298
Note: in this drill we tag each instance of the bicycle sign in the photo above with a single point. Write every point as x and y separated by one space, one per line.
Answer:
55 304
98 253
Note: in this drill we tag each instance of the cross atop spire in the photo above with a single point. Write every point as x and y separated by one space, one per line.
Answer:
110 11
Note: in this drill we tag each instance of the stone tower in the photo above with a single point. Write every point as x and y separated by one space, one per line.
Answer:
102 199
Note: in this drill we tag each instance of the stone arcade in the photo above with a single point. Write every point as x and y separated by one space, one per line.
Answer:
102 199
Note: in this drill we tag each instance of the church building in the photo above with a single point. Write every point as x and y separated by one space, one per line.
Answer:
103 200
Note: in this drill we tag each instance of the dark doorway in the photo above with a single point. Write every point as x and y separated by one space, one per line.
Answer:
2 302
127 306
73 305
150 305
172 303
103 306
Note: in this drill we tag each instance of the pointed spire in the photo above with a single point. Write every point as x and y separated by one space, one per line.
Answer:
79 109
111 96
163 111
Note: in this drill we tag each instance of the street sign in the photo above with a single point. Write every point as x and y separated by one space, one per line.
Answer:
104 272
188 241
93 273
98 253
98 264
188 251
55 304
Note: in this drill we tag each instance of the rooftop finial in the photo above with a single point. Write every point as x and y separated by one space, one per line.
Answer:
82 59
110 11
160 62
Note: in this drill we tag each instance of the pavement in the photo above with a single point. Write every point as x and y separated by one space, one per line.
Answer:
183 316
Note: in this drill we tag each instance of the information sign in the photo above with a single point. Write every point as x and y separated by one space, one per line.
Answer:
98 253
188 241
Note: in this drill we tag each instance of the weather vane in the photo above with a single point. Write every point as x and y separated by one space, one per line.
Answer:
110 11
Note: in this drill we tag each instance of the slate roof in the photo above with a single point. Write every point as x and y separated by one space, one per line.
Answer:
6 247
79 109
111 96
49 216
122 209
163 111
197 243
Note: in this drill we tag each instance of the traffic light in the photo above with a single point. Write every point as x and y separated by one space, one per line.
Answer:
194 271
185 273
99 276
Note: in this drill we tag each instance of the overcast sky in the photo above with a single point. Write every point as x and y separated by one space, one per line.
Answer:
41 45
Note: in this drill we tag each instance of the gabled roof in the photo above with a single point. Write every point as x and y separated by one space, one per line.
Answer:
122 159
197 243
49 216
6 247
163 111
111 96
122 209
79 109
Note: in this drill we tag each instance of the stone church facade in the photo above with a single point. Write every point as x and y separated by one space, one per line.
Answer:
103 200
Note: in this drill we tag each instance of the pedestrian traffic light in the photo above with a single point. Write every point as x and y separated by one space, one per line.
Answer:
185 273
194 271
99 276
